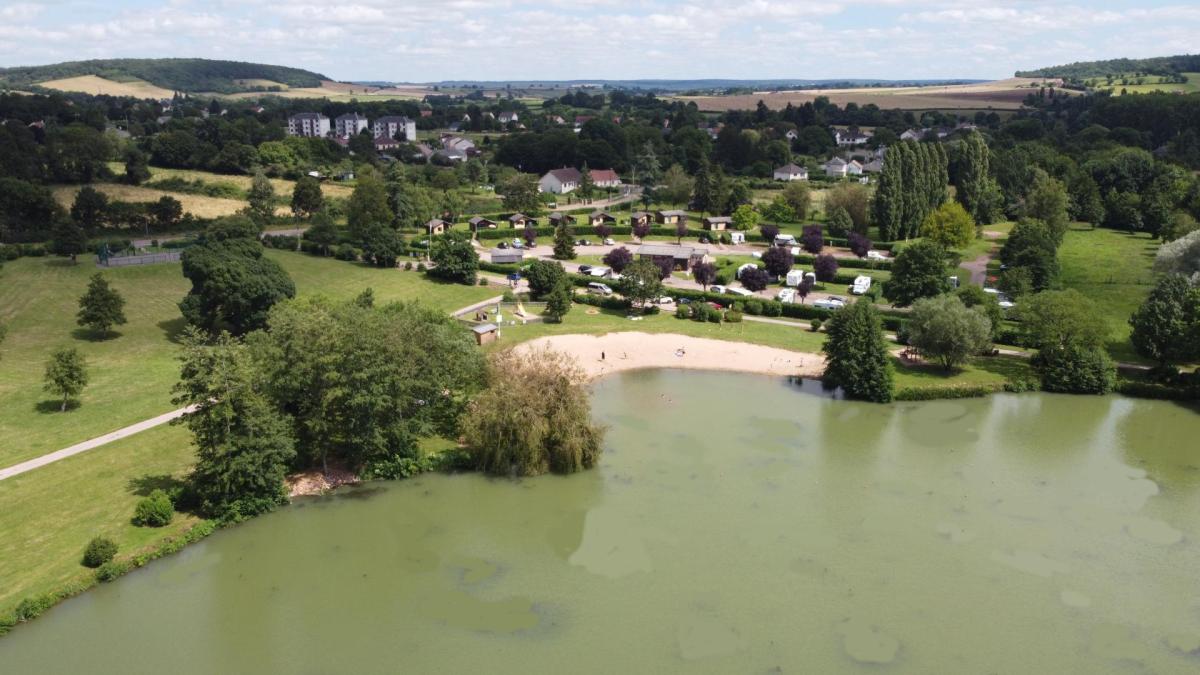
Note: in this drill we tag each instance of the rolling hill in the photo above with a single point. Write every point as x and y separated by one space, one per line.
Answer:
1082 70
145 75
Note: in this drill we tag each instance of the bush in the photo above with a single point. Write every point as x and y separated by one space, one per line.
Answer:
754 307
31 608
112 569
682 312
408 265
713 315
724 277
346 252
733 316
815 324
483 281
155 510
99 551
420 267
946 391
1076 370
772 309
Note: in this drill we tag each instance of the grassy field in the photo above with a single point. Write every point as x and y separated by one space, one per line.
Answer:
92 84
131 375
1153 83
283 187
991 371
197 205
1000 95
1114 269
49 515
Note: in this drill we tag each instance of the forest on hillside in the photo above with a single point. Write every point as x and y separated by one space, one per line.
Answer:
186 75
1082 70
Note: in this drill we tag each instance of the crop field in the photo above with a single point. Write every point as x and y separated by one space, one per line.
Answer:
198 205
1000 94
1152 83
283 187
91 84
340 91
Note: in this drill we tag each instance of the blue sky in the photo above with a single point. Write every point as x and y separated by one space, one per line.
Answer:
417 41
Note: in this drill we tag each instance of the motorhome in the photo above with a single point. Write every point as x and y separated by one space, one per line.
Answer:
862 284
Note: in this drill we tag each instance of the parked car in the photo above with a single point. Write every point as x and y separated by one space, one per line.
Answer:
585 269
739 291
503 244
609 241
583 242
1003 300
518 244
788 240
717 288
666 300
597 287
685 301
786 295
876 255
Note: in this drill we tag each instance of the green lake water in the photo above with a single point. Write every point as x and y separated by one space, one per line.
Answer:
737 524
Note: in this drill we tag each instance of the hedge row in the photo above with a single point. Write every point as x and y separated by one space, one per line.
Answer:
1154 390
849 263
947 391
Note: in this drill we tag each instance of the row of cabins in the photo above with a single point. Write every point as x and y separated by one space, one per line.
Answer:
316 125
682 258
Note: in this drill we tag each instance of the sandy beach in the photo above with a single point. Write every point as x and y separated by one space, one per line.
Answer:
634 350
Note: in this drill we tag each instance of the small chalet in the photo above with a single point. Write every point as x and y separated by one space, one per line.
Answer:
558 218
506 117
682 257
791 172
600 218
485 333
717 222
521 220
639 218
481 223
436 226
670 217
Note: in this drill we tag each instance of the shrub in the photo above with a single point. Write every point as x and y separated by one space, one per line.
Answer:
112 569
483 281
733 316
508 296
346 252
408 265
99 551
155 510
420 267
32 608
772 309
1076 370
815 324
713 316
754 307
682 312
724 277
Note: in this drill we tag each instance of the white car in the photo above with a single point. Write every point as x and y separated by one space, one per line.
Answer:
786 295
666 300
876 255
597 287
717 289
756 254
829 303
745 293
1003 300
608 241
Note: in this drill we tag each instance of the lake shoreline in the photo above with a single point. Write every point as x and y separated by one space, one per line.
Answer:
602 355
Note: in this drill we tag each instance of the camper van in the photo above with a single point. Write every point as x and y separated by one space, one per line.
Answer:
743 268
737 237
739 291
862 284
787 295
785 240
794 278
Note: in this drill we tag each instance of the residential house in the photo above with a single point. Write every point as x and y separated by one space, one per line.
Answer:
481 223
556 119
521 220
605 178
682 257
350 124
836 167
639 218
449 156
395 126
560 181
670 217
851 137
385 143
717 222
913 134
873 166
791 135
436 226
600 218
791 172
559 218
312 125
581 120
853 168
507 117
466 145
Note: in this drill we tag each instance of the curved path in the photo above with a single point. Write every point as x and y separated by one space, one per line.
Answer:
18 469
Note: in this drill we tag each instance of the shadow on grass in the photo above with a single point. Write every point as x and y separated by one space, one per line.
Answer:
142 486
173 328
90 335
54 406
924 371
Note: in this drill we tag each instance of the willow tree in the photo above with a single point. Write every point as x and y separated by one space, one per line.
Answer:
534 417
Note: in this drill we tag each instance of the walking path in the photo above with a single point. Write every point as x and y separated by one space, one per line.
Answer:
96 442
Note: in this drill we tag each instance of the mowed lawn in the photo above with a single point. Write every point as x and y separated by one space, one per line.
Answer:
49 515
1113 268
131 375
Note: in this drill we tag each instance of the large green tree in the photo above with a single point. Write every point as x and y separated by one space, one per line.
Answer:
949 225
90 209
261 199
1166 328
243 444
233 283
66 375
919 271
856 353
944 329
1047 201
974 187
564 243
368 206
1031 245
306 197
454 258
101 306
544 276
520 193
1059 319
641 282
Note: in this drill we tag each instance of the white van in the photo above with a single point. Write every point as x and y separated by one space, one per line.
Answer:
785 240
829 303
599 271
597 287
862 284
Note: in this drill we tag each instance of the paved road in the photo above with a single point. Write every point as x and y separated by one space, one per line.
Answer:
96 442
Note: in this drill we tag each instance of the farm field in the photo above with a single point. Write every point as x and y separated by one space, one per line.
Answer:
1000 94
283 187
132 375
1153 84
337 91
92 84
1113 268
198 205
